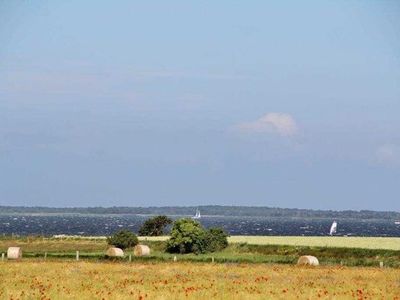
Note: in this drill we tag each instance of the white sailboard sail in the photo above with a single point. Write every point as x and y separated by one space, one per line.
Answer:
333 228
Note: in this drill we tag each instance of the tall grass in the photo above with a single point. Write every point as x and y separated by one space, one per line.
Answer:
112 280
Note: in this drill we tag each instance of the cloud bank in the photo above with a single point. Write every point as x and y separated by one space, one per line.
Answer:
278 123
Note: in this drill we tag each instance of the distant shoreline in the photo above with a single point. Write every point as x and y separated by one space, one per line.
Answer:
207 211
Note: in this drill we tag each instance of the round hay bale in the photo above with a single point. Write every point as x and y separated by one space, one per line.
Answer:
141 250
115 252
308 260
14 253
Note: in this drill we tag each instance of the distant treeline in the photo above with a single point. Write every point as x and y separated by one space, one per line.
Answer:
213 210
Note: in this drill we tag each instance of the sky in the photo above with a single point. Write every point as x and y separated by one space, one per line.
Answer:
158 103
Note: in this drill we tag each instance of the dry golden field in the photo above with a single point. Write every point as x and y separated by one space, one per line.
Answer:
36 279
389 243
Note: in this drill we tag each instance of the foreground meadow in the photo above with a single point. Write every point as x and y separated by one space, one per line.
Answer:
115 280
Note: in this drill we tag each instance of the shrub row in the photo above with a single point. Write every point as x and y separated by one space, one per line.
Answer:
187 236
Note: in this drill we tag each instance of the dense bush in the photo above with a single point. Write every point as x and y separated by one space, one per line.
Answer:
154 226
123 239
188 236
216 239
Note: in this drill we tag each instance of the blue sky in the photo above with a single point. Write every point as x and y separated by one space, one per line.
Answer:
139 103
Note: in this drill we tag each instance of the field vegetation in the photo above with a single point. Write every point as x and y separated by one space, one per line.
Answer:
48 270
94 249
389 243
37 279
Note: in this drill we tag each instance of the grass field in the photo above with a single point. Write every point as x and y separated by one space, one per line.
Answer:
390 243
250 268
94 249
113 280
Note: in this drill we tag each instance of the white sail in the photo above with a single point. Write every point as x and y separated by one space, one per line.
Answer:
197 215
333 228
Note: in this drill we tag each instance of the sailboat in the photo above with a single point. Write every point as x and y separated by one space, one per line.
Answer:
197 215
333 228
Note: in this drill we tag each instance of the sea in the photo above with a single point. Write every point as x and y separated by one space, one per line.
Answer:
103 225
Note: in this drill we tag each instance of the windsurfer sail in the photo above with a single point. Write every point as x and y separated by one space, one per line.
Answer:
333 228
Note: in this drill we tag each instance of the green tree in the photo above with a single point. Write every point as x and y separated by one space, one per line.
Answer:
216 239
187 236
154 226
123 239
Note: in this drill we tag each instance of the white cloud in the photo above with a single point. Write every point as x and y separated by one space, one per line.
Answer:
279 123
388 154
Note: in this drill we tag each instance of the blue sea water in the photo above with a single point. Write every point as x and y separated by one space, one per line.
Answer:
100 225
